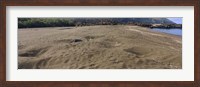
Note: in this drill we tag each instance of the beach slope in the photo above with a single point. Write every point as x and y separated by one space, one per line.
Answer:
98 47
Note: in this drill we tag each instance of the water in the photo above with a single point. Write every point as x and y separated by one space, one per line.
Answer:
174 31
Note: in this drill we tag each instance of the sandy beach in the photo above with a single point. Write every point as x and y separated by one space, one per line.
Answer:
98 47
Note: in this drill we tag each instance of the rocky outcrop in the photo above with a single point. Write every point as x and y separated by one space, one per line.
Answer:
166 26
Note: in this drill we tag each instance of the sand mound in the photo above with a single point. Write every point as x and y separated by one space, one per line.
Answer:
98 47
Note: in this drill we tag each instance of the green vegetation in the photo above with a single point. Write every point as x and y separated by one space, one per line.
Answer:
43 22
67 22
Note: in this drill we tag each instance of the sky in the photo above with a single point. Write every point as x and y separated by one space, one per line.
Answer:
176 20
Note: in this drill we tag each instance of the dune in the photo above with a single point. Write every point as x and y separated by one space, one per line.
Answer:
98 47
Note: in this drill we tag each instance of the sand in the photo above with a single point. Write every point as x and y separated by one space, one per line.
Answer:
98 47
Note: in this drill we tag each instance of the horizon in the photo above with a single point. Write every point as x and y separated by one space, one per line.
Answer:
176 20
